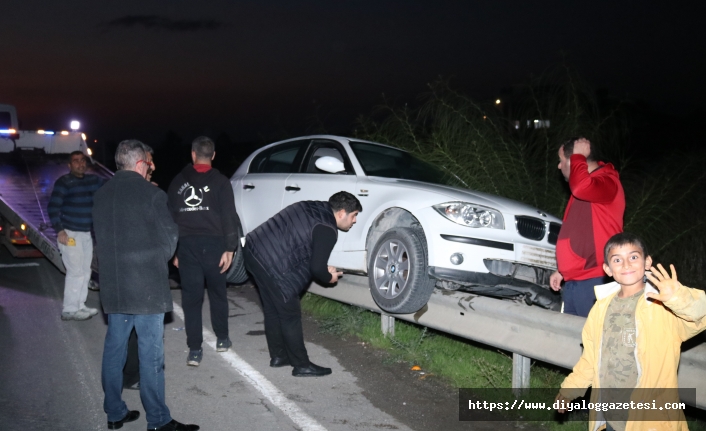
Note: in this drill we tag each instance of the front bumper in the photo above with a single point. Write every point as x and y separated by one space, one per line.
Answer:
496 285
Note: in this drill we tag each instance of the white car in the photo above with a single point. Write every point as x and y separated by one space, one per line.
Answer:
414 233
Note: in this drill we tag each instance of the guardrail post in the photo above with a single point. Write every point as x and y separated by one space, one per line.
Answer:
520 373
388 324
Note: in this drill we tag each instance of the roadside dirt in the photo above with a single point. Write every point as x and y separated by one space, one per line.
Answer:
422 402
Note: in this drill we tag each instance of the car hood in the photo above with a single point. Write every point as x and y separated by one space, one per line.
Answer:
448 193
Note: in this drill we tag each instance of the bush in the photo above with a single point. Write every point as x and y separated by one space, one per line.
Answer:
498 150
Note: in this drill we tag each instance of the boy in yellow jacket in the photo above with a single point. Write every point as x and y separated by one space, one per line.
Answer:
632 339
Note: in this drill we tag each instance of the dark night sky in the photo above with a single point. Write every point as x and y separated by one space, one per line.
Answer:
139 68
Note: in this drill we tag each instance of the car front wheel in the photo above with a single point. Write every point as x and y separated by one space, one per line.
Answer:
397 271
236 274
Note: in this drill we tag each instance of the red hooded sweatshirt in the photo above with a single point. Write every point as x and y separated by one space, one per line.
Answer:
593 215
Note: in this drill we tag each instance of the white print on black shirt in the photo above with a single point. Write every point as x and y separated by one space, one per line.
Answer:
193 198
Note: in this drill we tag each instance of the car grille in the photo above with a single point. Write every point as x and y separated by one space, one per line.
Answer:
530 227
554 229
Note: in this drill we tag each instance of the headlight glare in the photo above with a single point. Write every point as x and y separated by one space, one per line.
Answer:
471 215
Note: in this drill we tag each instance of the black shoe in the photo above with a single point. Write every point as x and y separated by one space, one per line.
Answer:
131 415
279 362
311 370
175 426
134 386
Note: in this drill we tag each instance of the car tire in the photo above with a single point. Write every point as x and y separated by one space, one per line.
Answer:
397 271
237 274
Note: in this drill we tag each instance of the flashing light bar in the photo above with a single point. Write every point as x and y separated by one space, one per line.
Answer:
8 131
89 151
83 136
64 132
45 132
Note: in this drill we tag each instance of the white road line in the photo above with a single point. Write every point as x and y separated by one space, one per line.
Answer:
17 265
259 382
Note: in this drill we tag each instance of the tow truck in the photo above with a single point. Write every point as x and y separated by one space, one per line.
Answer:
30 163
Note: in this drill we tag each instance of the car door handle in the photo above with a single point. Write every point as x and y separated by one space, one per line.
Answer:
292 188
248 186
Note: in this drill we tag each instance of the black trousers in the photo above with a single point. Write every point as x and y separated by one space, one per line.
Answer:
283 320
198 261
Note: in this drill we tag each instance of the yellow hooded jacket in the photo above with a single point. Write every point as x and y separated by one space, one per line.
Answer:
660 330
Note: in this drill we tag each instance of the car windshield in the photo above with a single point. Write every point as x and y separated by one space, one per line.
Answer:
380 161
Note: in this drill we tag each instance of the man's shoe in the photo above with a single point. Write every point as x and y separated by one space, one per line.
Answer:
175 426
311 370
92 285
77 315
83 314
89 310
131 415
134 386
194 358
279 362
223 345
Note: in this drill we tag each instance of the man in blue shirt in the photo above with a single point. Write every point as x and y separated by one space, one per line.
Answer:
70 209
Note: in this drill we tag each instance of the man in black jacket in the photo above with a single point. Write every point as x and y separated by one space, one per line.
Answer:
201 201
283 254
136 238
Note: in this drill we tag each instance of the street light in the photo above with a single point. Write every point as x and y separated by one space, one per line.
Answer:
497 101
75 125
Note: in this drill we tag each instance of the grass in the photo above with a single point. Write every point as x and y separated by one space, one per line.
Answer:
480 148
457 362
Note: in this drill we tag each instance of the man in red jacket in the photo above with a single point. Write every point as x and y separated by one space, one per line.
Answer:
593 215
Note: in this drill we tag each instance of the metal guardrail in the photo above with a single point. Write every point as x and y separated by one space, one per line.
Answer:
527 332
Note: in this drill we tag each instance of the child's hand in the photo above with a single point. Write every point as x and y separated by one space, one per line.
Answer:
561 399
661 280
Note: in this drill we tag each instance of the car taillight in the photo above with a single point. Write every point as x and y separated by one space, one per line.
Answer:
18 237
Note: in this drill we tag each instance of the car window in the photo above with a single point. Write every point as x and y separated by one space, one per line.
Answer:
381 161
284 158
321 149
5 120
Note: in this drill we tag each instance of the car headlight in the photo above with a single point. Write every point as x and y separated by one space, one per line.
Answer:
471 215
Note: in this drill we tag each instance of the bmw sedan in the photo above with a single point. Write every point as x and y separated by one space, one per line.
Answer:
417 232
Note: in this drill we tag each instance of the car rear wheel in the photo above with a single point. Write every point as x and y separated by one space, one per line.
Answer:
397 271
237 274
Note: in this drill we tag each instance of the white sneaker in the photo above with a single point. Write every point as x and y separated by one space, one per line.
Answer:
91 311
83 314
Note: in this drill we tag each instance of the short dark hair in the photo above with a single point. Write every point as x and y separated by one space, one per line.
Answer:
75 153
203 147
345 201
568 146
621 239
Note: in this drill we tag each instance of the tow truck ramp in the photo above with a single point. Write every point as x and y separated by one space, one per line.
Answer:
27 178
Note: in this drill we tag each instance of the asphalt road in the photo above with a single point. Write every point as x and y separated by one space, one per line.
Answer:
50 371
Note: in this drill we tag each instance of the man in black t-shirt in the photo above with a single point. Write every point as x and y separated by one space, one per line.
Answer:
202 204
283 255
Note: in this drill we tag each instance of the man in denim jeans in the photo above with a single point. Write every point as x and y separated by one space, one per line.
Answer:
136 237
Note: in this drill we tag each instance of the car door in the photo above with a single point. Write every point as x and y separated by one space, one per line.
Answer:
311 183
263 185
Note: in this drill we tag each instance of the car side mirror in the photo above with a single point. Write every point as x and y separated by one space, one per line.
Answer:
330 164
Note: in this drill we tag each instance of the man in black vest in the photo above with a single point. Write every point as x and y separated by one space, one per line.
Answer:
201 201
283 254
